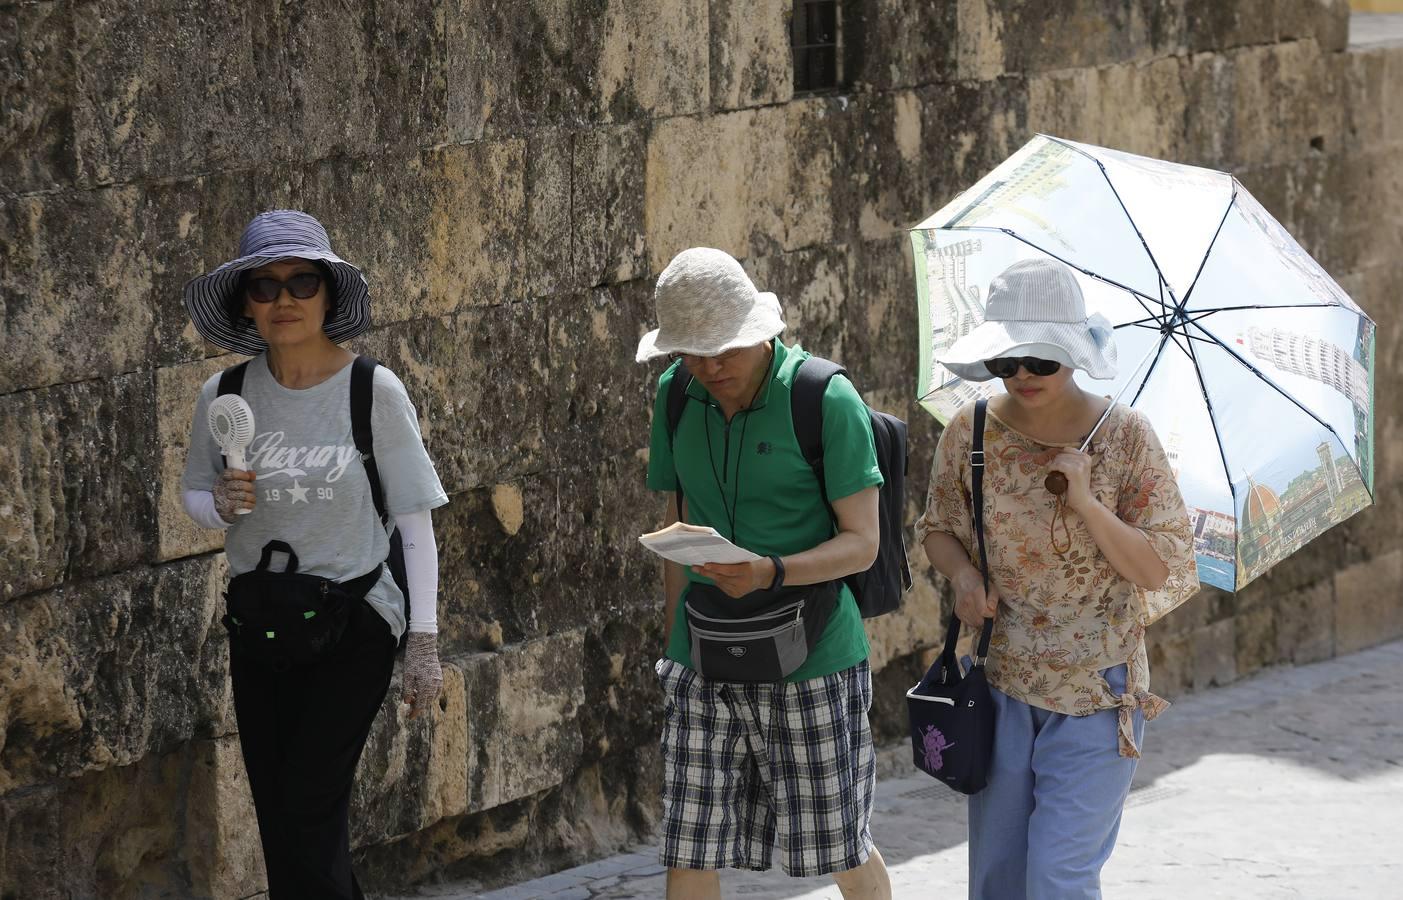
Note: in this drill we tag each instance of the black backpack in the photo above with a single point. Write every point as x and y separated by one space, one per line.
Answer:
231 381
878 590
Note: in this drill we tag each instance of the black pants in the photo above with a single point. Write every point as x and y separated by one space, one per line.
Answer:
302 732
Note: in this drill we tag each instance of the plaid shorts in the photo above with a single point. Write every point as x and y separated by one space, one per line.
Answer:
749 766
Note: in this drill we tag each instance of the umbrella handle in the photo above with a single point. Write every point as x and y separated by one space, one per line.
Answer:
1056 483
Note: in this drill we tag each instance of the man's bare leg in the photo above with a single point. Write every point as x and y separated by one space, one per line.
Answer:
868 881
698 884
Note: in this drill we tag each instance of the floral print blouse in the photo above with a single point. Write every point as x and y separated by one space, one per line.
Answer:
1065 614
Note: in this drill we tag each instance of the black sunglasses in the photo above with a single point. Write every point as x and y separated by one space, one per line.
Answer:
1007 366
303 286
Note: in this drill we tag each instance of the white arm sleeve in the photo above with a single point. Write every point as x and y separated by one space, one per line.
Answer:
416 530
199 506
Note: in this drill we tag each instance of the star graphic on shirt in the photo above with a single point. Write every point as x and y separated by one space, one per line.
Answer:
297 492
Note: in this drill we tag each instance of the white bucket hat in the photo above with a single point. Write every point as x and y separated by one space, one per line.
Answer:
1036 309
707 305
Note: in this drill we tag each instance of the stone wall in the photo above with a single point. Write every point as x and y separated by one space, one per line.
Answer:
512 174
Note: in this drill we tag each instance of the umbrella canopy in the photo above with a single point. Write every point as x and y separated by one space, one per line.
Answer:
1255 368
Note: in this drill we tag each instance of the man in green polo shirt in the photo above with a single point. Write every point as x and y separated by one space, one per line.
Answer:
754 764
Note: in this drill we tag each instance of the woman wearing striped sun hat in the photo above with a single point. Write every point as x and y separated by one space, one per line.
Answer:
288 301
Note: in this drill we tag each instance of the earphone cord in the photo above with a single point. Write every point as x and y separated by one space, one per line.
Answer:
733 508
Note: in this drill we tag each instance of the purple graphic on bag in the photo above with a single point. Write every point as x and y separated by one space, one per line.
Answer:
933 743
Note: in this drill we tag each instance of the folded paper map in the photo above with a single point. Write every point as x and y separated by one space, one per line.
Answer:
693 545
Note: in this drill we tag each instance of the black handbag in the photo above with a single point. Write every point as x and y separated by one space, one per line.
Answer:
285 619
952 714
764 636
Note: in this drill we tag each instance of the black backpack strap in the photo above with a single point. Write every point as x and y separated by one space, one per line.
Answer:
806 409
362 401
676 404
231 380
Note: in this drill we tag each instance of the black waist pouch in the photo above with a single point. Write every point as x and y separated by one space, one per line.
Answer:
284 619
763 636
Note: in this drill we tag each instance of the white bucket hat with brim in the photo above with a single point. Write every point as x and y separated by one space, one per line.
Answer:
707 305
1035 308
272 236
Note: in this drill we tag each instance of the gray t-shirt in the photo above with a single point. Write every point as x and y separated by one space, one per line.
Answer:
311 484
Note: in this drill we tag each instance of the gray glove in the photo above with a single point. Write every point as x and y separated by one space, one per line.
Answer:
233 490
423 676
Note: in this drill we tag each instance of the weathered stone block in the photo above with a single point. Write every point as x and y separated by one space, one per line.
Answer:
63 289
747 182
1255 631
880 347
434 233
36 80
178 825
1367 612
903 45
979 51
103 672
549 255
477 380
968 129
140 103
1214 654
645 58
414 772
177 390
497 577
813 129
604 573
182 87
512 66
608 205
221 846
883 155
1305 624
716 182
599 399
78 481
1087 33
751 62
525 704
1220 26
812 286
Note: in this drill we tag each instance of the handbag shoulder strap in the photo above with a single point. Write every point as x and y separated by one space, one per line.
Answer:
976 478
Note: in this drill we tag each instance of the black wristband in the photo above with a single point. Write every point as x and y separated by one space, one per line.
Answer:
779 574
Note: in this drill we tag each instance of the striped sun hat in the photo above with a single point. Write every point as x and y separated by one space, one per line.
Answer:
1035 308
271 236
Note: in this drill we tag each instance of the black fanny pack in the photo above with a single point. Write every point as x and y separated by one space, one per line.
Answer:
763 636
284 619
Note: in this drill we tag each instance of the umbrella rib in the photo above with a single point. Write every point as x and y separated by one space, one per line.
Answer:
1232 201
1164 338
1164 284
1274 386
1087 272
1199 313
1222 455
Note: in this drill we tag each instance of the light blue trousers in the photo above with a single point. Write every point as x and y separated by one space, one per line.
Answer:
1047 821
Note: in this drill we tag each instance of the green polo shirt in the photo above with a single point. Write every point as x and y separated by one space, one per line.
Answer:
752 472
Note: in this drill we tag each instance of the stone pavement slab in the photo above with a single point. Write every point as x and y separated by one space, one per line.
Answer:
1288 784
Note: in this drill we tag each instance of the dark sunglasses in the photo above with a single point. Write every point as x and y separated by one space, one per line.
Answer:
1007 366
303 286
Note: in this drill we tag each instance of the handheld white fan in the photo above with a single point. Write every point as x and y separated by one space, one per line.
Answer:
231 423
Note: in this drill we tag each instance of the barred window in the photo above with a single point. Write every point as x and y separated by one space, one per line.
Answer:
814 37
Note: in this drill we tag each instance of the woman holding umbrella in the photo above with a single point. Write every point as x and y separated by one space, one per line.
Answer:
304 712
1071 577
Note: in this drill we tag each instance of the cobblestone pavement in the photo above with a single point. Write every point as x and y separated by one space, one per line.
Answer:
1286 784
